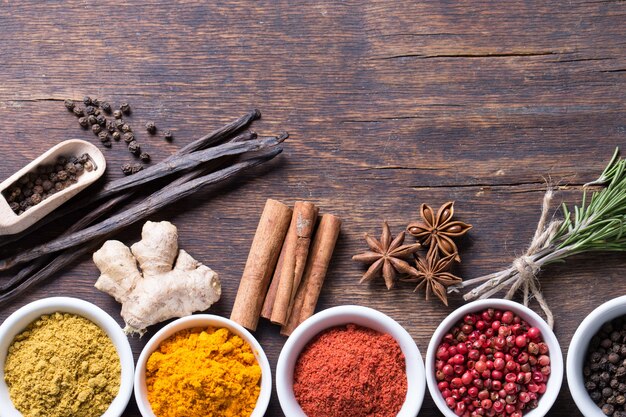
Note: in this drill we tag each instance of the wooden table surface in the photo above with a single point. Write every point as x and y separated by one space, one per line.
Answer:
388 106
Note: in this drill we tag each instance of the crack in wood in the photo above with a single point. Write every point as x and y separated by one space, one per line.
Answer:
485 55
485 186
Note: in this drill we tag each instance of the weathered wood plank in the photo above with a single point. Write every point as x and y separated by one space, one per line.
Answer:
388 105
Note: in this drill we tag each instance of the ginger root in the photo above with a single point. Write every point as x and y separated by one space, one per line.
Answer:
142 279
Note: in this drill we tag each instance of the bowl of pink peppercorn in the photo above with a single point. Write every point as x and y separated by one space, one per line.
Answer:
495 358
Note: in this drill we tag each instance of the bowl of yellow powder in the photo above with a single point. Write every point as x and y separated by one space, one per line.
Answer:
62 357
203 365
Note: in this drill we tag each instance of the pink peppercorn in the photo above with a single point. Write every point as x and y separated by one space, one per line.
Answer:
495 364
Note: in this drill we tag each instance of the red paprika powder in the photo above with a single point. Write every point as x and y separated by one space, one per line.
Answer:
351 371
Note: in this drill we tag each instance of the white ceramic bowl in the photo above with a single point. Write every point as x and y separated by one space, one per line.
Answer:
202 320
578 350
556 358
337 316
19 320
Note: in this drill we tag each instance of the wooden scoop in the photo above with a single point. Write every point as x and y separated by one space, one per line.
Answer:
11 223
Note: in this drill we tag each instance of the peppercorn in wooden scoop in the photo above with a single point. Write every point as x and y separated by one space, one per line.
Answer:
47 182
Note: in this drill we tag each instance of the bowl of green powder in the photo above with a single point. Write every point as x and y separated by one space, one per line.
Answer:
62 356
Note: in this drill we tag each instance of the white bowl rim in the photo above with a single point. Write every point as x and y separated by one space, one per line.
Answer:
202 320
416 388
91 312
556 357
577 350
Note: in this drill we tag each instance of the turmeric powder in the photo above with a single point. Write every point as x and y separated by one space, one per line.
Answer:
203 372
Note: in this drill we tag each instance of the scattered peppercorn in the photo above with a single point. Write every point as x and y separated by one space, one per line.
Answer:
101 120
83 122
151 128
95 102
116 136
96 128
129 137
106 107
92 120
117 114
126 128
125 108
90 109
129 169
605 367
78 111
134 148
69 104
34 187
87 100
118 124
145 157
104 137
168 135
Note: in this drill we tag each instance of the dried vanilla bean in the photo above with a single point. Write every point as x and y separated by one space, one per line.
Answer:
29 273
210 139
154 202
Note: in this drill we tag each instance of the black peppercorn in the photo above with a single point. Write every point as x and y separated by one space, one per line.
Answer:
116 136
117 114
118 124
69 104
104 137
127 169
145 157
78 111
129 137
87 100
83 122
90 109
608 409
92 120
15 206
110 127
168 135
95 102
151 128
96 128
107 144
47 185
126 128
125 108
106 107
136 168
101 120
134 148
35 199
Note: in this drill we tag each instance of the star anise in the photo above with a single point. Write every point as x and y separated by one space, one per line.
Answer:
433 275
388 256
437 231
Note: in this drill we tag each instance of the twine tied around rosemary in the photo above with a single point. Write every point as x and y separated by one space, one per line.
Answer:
522 274
598 224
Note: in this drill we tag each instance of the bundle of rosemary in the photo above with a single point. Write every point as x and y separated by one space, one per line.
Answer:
598 224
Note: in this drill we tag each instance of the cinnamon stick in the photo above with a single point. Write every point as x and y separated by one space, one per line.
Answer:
270 298
315 272
294 261
266 246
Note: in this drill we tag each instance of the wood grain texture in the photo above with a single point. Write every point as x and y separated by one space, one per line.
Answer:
389 104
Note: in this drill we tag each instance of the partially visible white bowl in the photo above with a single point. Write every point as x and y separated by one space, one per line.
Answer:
202 320
578 350
556 357
19 320
337 316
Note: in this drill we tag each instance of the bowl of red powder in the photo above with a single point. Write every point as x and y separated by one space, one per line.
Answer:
350 361
496 358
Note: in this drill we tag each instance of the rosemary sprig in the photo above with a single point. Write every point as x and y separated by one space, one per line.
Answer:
597 224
